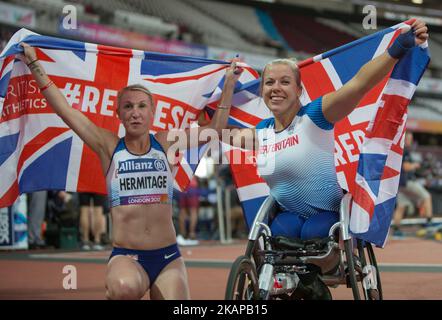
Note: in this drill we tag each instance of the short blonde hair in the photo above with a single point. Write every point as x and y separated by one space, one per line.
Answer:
134 87
292 63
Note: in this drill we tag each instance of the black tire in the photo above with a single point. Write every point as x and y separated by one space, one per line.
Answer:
357 270
372 288
373 262
242 283
352 274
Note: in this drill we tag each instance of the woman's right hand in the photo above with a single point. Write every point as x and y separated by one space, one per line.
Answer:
29 53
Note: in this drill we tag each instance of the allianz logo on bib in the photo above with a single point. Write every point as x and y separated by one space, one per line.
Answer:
141 165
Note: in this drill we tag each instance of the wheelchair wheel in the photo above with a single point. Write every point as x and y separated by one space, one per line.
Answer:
354 272
242 283
363 278
374 290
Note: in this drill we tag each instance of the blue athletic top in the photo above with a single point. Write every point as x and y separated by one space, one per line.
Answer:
139 179
298 162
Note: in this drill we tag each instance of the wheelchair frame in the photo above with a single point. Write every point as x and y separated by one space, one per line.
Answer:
341 258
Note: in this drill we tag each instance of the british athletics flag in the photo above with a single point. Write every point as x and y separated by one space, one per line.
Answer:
368 151
39 152
368 143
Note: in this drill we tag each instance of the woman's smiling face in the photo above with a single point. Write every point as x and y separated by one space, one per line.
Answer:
280 89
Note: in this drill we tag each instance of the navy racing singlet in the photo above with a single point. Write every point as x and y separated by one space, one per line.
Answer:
139 179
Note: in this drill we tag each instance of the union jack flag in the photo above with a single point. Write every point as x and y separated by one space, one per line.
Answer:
368 152
368 143
39 152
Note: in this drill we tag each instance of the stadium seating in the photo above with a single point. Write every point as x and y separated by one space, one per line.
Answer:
304 33
422 112
242 18
216 23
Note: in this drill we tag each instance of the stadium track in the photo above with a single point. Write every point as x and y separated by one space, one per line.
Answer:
411 269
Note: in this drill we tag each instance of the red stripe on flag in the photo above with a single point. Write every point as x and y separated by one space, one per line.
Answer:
36 143
10 196
244 176
243 168
253 72
389 173
175 102
115 51
373 95
305 63
43 56
316 80
363 199
244 116
112 74
181 177
397 148
5 63
91 173
389 118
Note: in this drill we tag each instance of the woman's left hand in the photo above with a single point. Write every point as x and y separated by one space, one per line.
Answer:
420 31
233 72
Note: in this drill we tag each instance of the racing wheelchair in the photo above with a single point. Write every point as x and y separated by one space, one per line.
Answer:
272 266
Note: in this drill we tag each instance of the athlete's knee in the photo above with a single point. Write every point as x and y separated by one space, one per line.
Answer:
287 224
124 289
318 226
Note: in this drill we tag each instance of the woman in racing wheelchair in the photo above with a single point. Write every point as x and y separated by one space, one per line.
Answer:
296 146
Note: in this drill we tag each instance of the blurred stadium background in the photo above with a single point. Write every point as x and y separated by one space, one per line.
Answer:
258 31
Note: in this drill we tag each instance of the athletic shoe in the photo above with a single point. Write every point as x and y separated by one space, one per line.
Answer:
37 245
192 242
186 242
181 241
429 231
97 247
86 247
422 233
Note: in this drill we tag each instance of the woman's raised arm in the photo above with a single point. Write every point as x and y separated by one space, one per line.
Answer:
337 105
192 137
98 139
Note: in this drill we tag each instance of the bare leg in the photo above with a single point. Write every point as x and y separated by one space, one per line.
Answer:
398 215
193 222
428 208
103 224
84 223
97 224
125 279
182 222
